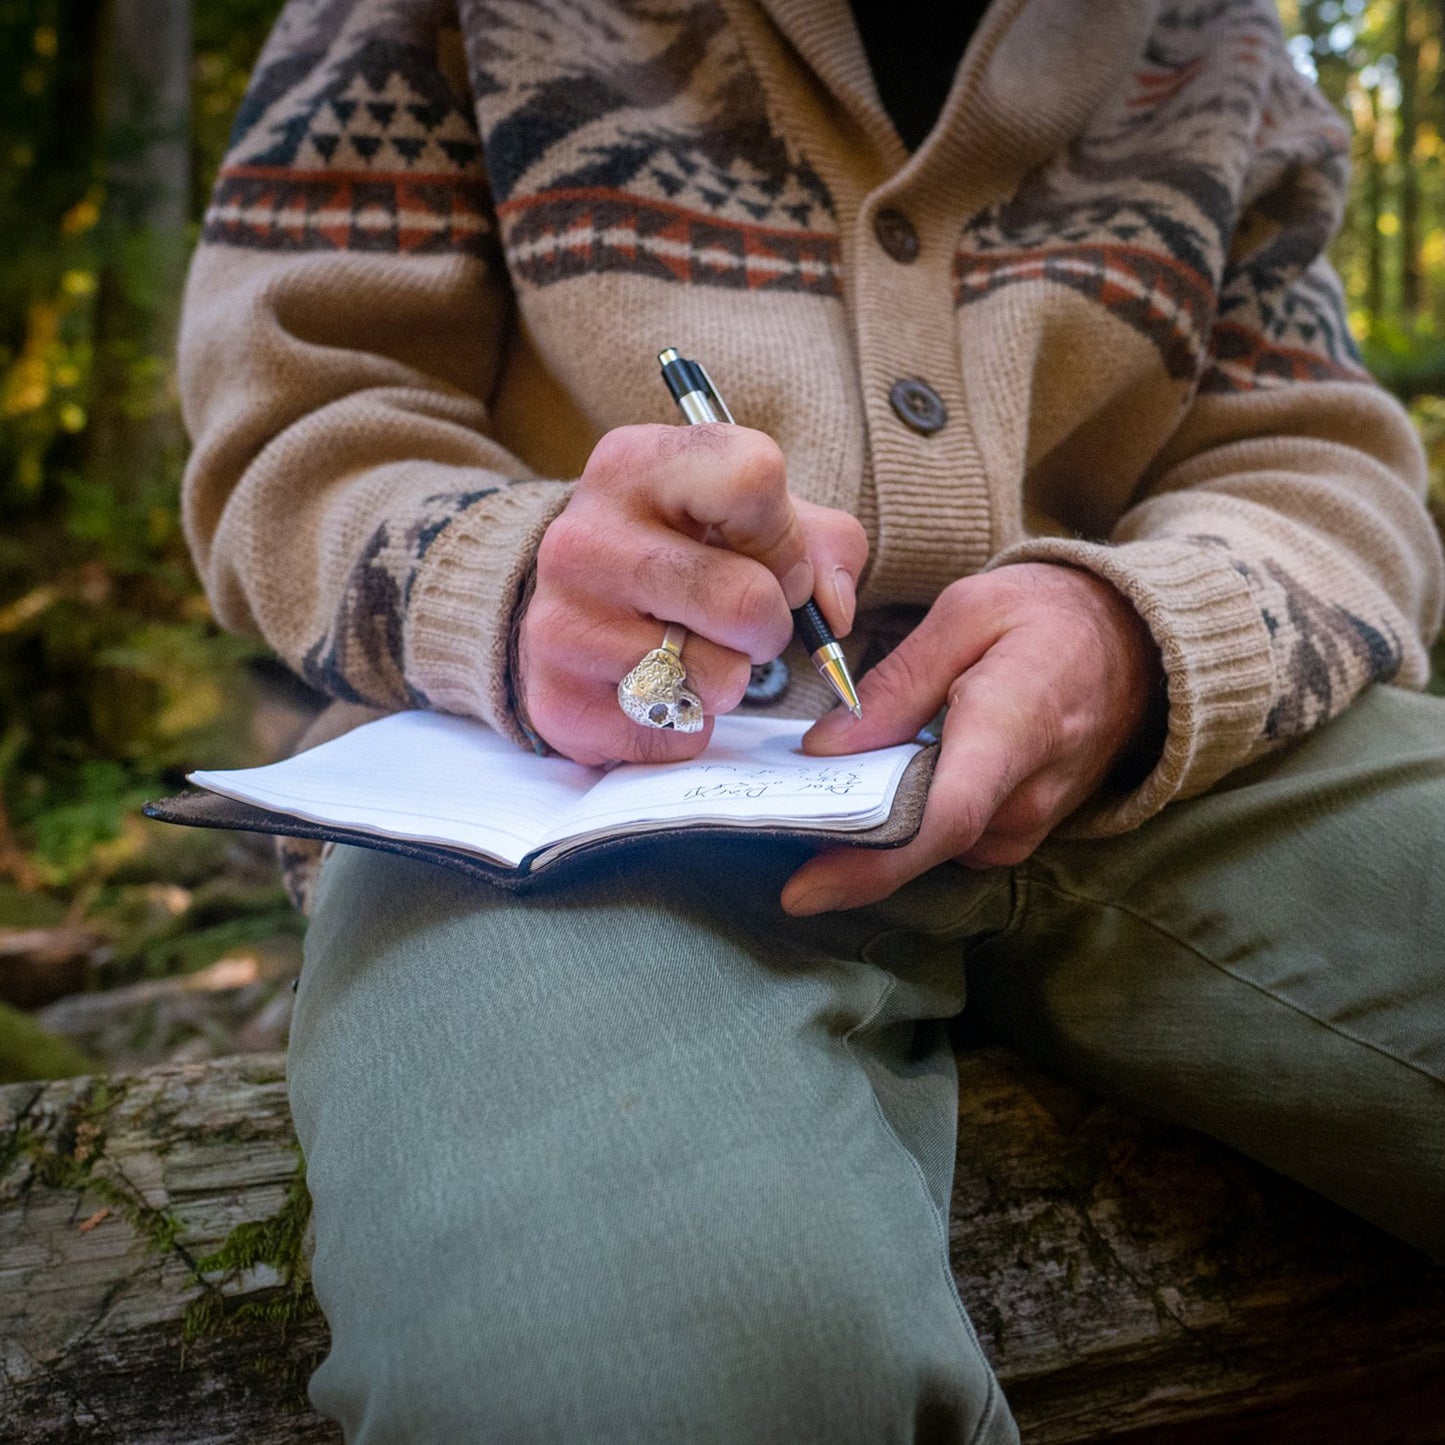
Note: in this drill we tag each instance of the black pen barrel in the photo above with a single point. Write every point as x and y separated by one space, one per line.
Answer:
811 630
683 377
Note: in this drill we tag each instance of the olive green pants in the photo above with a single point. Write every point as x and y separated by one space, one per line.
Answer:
637 1158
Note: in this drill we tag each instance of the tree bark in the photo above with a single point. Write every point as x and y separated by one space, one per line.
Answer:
1374 208
1129 1281
144 86
1407 56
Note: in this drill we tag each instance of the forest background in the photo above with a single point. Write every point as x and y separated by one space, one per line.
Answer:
124 942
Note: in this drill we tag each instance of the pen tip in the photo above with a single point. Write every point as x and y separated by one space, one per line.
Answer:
856 708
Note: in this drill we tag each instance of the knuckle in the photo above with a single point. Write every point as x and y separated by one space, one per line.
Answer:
843 529
615 456
665 570
1069 732
901 673
675 441
1041 731
743 607
752 605
1024 813
953 600
567 547
546 622
973 818
760 468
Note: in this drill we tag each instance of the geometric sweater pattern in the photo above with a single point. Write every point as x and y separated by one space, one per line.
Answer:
1121 296
380 156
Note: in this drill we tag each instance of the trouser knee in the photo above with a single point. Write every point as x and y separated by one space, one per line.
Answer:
726 1329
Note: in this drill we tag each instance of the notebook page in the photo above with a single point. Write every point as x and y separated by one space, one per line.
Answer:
751 773
423 776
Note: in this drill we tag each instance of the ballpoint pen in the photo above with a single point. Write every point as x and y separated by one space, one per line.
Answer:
698 400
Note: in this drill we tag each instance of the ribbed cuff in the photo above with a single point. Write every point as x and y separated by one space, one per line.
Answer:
1217 660
459 616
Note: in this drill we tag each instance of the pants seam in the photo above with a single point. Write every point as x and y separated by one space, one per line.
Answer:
990 1399
1228 972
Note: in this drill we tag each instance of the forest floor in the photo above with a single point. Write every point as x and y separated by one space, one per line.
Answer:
187 951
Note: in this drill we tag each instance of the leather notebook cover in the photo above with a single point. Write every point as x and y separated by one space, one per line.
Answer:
198 808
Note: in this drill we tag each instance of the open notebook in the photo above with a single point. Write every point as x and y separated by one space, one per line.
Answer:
453 791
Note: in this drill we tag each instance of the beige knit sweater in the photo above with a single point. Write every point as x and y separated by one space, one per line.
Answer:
451 236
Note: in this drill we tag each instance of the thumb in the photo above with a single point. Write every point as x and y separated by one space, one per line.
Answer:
906 689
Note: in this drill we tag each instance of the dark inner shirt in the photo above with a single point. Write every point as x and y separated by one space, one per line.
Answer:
914 50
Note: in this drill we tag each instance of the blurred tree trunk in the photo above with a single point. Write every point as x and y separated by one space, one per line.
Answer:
1374 208
144 89
1407 55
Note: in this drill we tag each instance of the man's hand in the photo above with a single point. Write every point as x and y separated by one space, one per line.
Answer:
627 556
1049 675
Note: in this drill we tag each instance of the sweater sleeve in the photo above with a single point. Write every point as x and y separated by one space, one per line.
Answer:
341 335
1279 547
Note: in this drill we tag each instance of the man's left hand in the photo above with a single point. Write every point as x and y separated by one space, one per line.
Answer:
1050 677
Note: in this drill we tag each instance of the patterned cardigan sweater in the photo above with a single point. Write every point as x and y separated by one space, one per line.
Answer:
450 237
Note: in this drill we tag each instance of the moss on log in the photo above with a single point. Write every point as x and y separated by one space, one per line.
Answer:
1130 1281
152 1279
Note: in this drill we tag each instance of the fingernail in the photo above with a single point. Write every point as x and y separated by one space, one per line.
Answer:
798 584
846 595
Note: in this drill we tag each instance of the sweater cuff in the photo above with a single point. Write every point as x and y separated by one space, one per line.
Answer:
459 614
1217 661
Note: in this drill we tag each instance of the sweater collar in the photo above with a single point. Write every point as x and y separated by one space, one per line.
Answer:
1033 73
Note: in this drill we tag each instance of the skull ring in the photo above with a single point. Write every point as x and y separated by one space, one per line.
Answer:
655 694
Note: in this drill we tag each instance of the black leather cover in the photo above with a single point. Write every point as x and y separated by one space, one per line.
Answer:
198 808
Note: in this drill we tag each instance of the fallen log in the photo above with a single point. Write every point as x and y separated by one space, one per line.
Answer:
1130 1281
153 1286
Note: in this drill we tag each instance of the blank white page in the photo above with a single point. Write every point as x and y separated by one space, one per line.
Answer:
423 776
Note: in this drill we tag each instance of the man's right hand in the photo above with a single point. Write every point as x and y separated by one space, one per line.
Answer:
627 556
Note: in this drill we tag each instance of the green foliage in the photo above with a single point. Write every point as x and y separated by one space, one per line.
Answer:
66 833
113 676
278 1243
187 946
24 908
27 1051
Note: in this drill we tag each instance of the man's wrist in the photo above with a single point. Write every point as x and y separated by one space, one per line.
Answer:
515 690
1141 662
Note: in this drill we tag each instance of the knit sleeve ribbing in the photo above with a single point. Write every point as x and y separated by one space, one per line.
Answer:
341 335
1279 547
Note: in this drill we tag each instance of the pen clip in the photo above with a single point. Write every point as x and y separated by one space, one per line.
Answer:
714 396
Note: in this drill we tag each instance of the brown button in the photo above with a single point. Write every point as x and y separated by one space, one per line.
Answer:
918 405
896 235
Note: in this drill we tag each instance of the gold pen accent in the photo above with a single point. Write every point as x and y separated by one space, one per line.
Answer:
829 660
